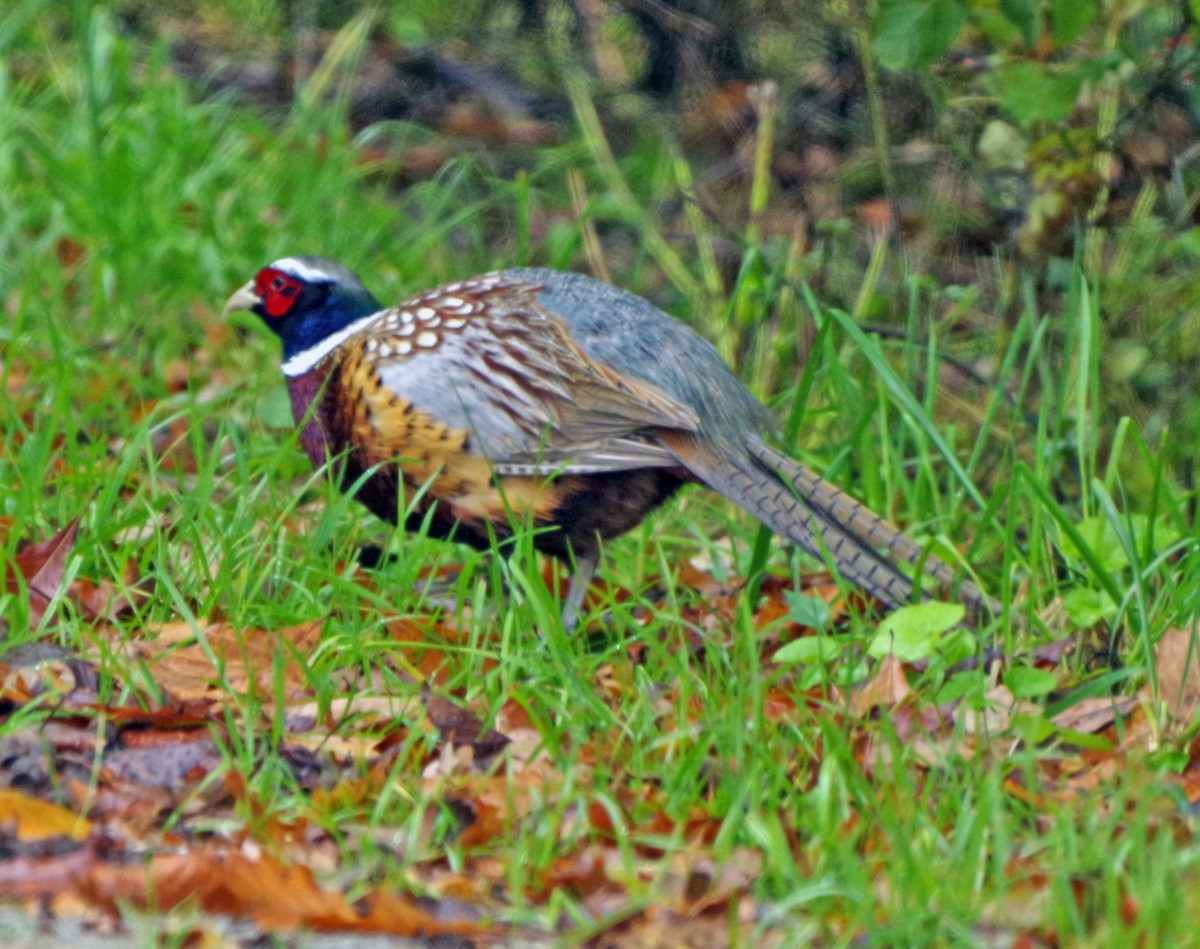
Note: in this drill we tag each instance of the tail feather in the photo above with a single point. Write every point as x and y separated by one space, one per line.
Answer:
837 507
858 519
796 503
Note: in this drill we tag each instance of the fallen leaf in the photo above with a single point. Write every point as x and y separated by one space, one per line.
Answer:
43 567
244 660
1177 662
460 726
889 686
276 896
1092 715
35 819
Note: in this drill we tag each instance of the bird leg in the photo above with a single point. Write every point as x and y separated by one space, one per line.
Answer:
581 578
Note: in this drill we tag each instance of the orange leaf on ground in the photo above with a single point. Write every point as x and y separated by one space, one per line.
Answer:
277 897
709 928
245 660
15 686
582 873
137 807
420 641
36 819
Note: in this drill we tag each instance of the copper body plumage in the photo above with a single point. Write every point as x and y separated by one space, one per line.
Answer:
546 397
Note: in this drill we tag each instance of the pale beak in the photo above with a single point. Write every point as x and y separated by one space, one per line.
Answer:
243 299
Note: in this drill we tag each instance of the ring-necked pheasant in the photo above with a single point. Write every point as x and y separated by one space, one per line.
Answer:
549 396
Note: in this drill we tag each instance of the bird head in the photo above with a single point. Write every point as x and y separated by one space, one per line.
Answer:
304 300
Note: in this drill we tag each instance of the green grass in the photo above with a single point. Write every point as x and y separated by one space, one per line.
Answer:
130 210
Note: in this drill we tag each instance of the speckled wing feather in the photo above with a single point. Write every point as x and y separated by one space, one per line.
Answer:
633 337
508 373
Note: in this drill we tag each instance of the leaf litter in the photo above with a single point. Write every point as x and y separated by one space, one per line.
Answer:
132 800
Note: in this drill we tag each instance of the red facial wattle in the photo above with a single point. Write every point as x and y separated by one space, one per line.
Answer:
277 291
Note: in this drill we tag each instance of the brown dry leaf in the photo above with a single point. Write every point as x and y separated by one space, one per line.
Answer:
138 807
100 602
15 685
245 661
352 727
43 567
494 802
772 606
424 161
71 253
168 718
876 215
468 884
1177 662
169 634
721 113
419 646
1023 907
460 726
35 819
1048 655
1083 775
708 883
779 705
1093 715
275 896
704 583
491 820
889 686
38 755
582 873
661 927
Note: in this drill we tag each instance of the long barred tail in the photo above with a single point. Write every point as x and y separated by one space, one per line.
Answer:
820 518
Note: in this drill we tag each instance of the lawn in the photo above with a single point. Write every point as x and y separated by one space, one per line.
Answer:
217 724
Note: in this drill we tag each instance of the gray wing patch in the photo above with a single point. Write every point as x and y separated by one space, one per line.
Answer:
533 404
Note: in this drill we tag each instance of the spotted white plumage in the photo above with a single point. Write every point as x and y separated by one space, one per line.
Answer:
422 315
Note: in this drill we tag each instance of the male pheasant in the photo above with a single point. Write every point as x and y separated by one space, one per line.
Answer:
547 396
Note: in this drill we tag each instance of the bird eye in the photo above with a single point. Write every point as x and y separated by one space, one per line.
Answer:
276 291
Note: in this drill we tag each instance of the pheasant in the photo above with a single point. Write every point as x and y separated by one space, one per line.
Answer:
547 397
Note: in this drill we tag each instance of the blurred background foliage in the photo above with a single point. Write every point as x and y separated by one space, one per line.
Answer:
937 168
